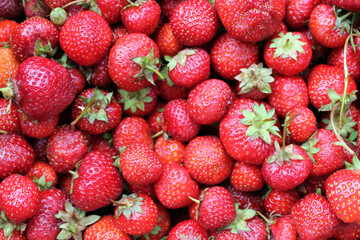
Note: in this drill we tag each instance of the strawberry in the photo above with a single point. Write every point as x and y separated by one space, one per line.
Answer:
9 120
80 32
15 235
104 229
251 21
279 202
97 182
38 128
11 9
170 91
283 229
208 101
155 119
313 184
8 67
168 6
246 177
34 8
303 126
118 31
194 22
298 12
226 235
189 67
314 218
347 231
16 155
141 16
214 209
53 92
95 111
288 53
44 224
319 51
248 130
169 150
166 41
140 165
133 60
136 214
147 189
104 144
39 146
78 79
7 28
111 9
175 186
56 3
65 147
43 175
207 161
229 55
19 189
348 5
188 229
34 36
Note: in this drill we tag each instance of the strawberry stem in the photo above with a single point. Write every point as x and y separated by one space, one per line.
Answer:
156 71
157 134
83 112
74 2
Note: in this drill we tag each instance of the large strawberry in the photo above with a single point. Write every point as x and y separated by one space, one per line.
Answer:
251 21
298 12
85 38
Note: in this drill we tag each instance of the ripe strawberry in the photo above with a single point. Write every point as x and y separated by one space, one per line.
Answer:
8 66
168 6
189 67
43 175
7 28
177 121
133 60
95 111
348 5
347 231
251 21
105 228
194 22
104 144
97 182
11 9
21 190
52 93
246 177
229 55
188 229
207 161
65 147
166 41
298 12
319 51
283 229
227 235
136 214
324 77
9 120
175 186
140 165
118 32
56 3
78 79
141 16
314 218
111 9
303 126
99 73
80 33
279 202
38 128
16 155
288 53
208 101
169 150
214 209
248 130
34 8
34 36
15 235
314 184
155 119
332 34
44 224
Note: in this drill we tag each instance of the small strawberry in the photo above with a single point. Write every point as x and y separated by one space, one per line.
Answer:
169 150
7 28
168 6
111 9
43 175
348 5
38 128
347 231
8 67
298 12
280 202
166 41
9 119
36 8
303 126
11 9
246 177
283 229
99 73
188 229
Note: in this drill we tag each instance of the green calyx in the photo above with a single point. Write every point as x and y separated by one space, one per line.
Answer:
342 21
282 155
148 66
165 72
309 147
9 227
135 100
179 58
74 222
128 205
261 123
256 76
41 183
240 222
44 50
287 45
137 3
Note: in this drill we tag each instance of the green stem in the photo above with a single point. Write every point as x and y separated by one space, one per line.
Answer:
83 112
156 71
286 125
74 2
157 134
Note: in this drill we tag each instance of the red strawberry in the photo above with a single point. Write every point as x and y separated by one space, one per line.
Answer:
7 28
313 184
314 218
20 198
166 41
38 128
188 229
80 33
168 6
16 155
347 231
9 120
175 186
96 183
16 235
111 9
348 5
169 150
298 12
229 55
133 60
118 32
141 16
78 79
136 214
251 21
227 235
319 50
155 118
279 202
53 92
283 229
56 3
170 91
11 9
246 177
303 126
194 22
104 144
99 73
34 8
43 175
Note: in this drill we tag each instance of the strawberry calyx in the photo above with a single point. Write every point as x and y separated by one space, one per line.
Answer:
137 3
128 205
148 66
240 222
261 123
58 16
41 183
180 57
287 45
342 20
165 72
75 221
189 235
44 50
135 100
255 76
309 147
9 227
156 230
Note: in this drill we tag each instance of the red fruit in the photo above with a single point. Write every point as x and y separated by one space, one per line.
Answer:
166 41
283 229
175 186
9 120
111 9
51 94
132 62
100 75
168 6
97 183
313 184
105 228
314 218
136 214
298 12
78 79
11 9
347 231
141 16
155 118
7 28
229 55
188 229
16 235
56 3
85 38
226 235
43 175
38 128
251 21
279 202
20 198
303 126
246 177
169 150
118 32
170 91
39 145
34 8
103 144
349 5
16 155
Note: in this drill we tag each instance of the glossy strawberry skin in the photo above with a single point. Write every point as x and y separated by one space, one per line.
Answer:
111 10
105 228
246 177
7 28
283 229
16 235
22 205
298 12
56 3
303 126
166 41
80 32
38 128
9 120
39 169
188 228
280 202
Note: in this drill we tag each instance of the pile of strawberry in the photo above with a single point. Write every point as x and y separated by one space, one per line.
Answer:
179 119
